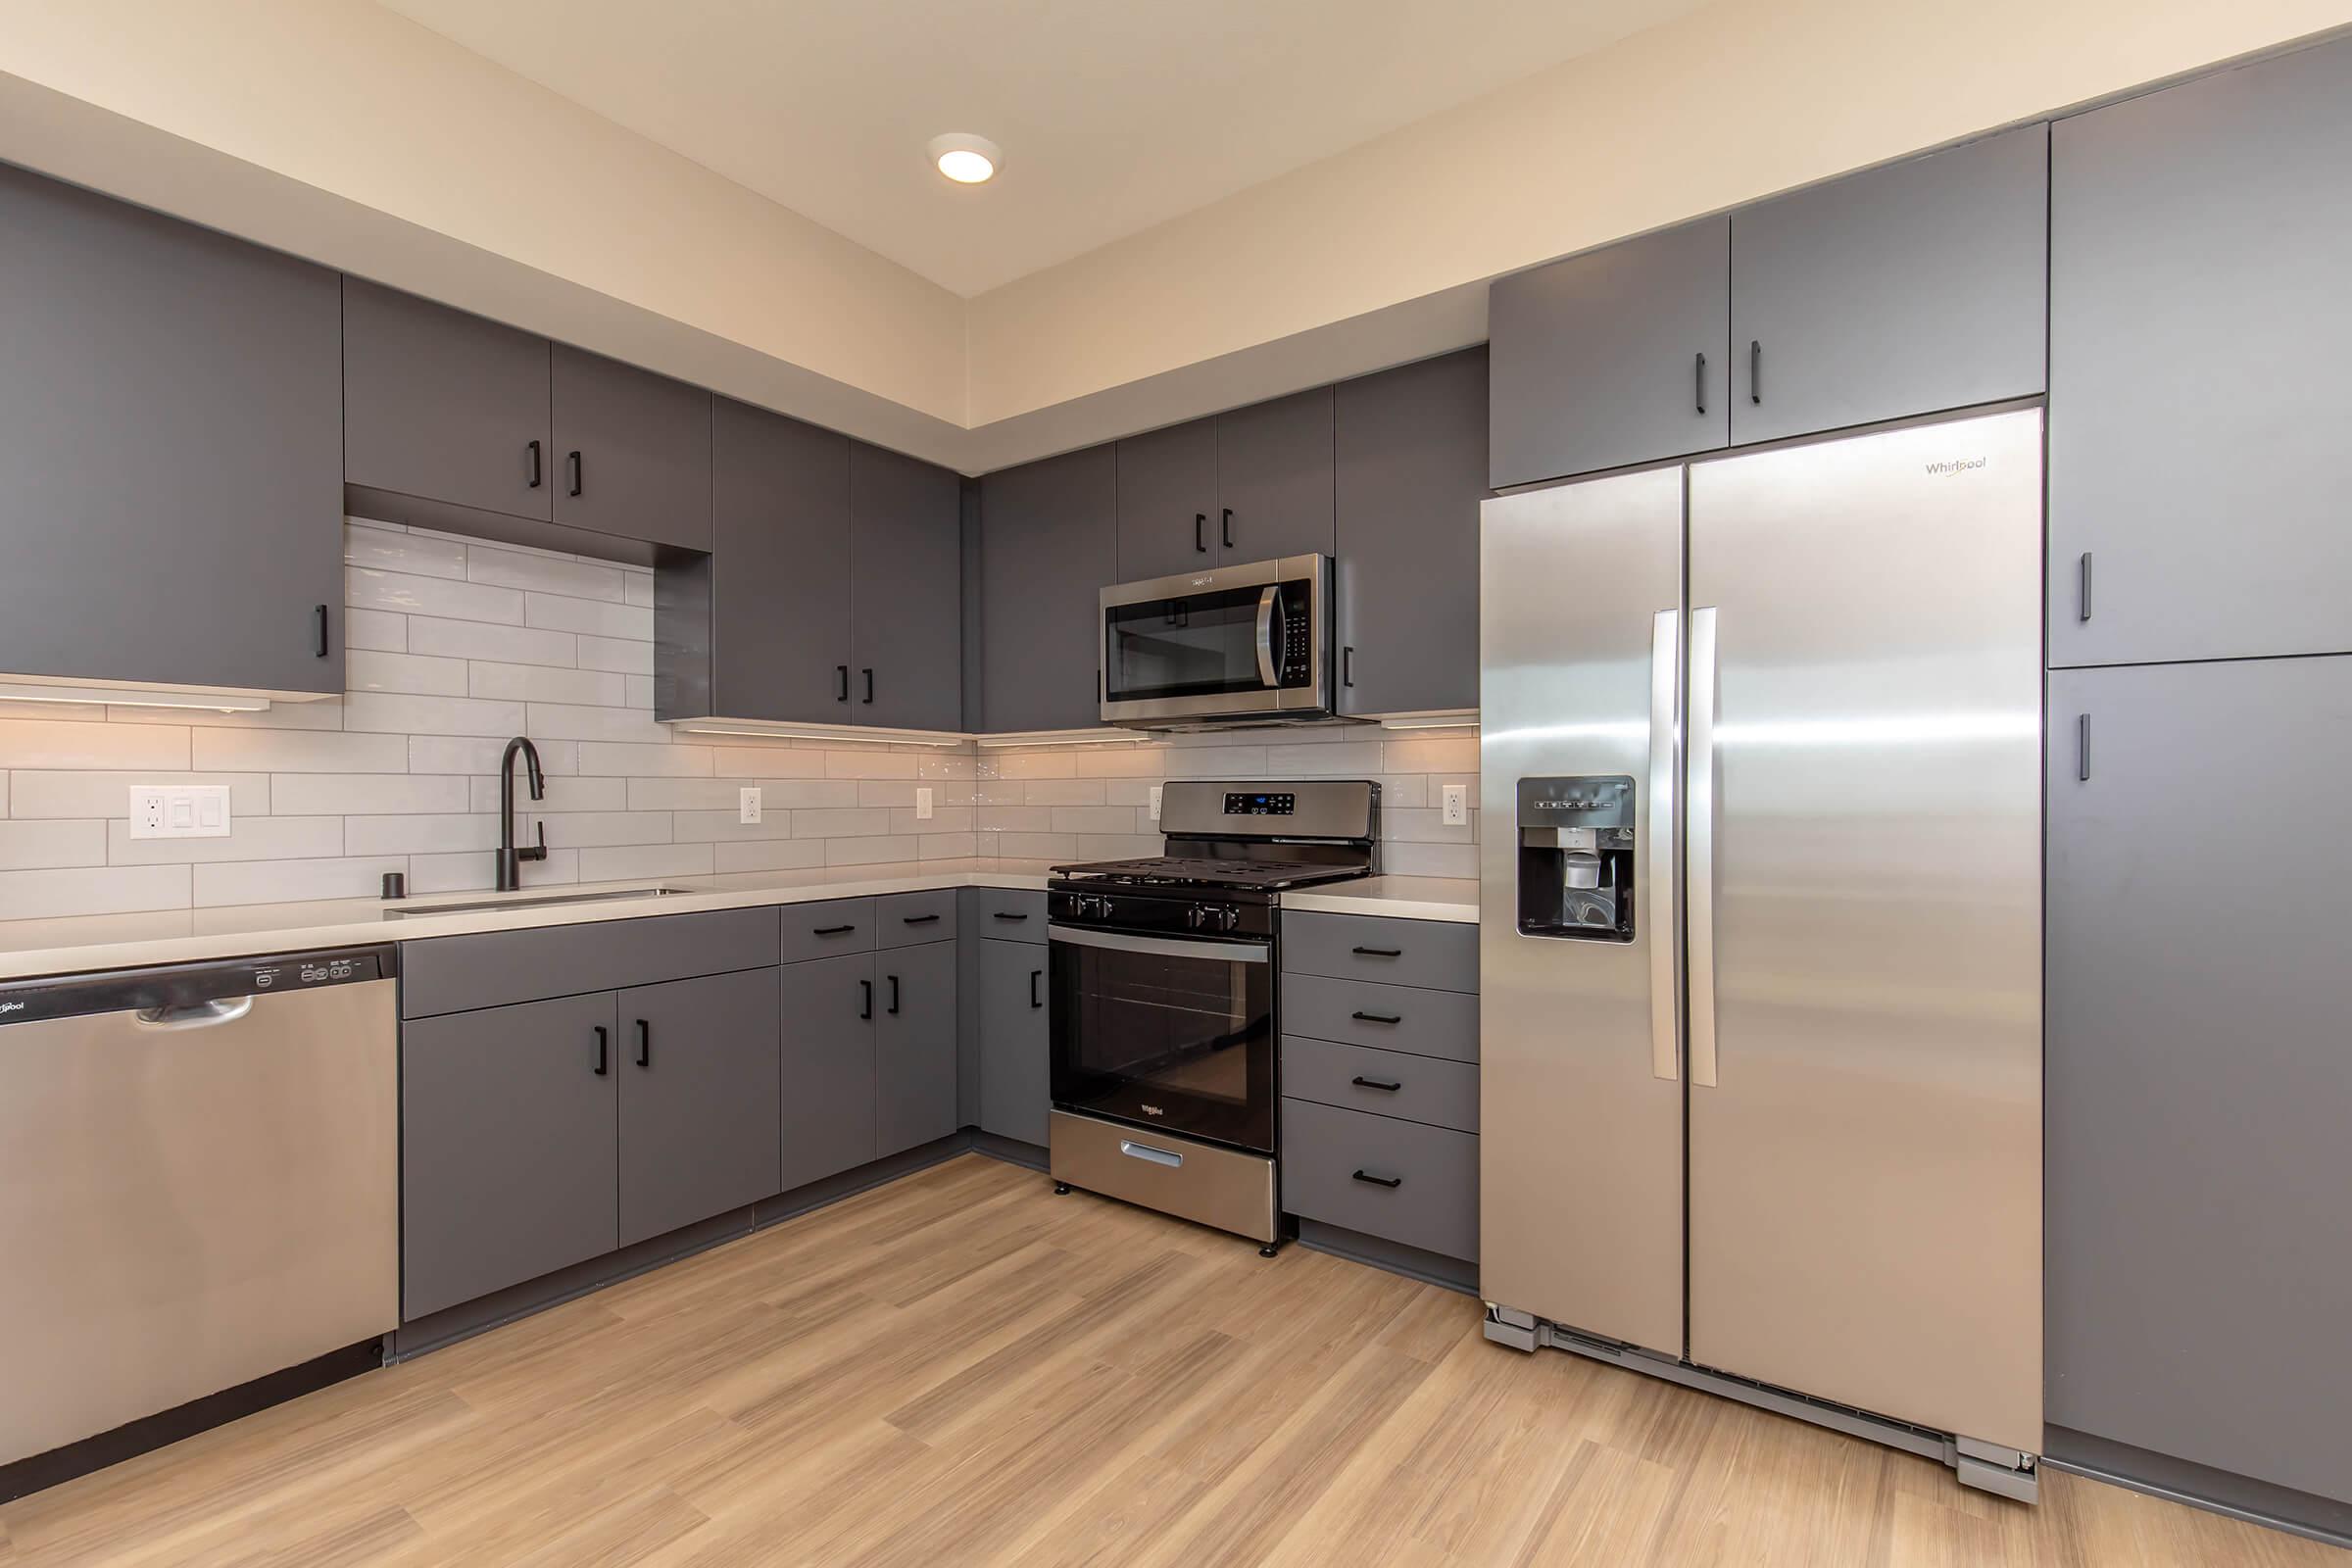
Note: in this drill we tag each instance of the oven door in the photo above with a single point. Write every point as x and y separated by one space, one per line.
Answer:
1236 641
1167 1032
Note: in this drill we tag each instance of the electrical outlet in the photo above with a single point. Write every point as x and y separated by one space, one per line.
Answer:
180 811
1456 801
1154 803
922 803
747 804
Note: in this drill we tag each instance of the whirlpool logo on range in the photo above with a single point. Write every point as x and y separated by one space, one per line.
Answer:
1950 467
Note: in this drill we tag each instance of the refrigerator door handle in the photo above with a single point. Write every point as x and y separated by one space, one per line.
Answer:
1665 651
1700 836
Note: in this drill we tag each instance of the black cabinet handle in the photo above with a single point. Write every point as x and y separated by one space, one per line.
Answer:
537 477
1225 532
1035 976
894 996
1376 1083
869 687
830 930
1379 1181
1000 914
2083 588
644 1044
1346 667
865 1004
604 1050
1200 534
574 460
318 630
1376 1017
919 919
2081 748
842 672
1755 370
1379 953
1700 375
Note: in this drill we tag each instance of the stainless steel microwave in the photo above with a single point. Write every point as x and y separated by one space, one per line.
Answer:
1230 644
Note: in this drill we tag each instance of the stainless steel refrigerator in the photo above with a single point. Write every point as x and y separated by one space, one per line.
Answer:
1761 929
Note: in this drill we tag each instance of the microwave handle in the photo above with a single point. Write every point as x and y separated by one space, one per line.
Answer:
1270 604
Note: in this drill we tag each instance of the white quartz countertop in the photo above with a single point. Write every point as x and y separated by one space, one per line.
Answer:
91 943
1399 898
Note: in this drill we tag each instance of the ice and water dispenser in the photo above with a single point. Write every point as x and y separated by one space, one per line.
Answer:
1576 858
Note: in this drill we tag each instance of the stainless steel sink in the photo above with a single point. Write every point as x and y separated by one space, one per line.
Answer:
414 911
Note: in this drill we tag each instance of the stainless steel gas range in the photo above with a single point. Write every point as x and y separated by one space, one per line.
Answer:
1167 996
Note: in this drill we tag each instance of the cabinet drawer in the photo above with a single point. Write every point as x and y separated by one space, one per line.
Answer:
453 974
821 930
1011 916
1385 1083
907 919
1413 1019
1337 1166
1398 953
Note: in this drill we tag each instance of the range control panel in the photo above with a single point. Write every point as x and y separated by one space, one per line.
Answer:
1261 805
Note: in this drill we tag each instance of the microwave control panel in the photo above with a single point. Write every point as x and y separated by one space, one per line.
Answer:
1294 651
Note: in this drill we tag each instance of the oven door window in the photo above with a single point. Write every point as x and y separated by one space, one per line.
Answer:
1205 645
1183 1042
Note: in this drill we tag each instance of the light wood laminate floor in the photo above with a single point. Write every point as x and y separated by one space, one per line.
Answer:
963 1368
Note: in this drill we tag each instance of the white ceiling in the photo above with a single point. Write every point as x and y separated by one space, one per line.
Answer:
1113 115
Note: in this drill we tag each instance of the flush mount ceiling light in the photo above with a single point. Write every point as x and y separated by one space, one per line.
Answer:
966 158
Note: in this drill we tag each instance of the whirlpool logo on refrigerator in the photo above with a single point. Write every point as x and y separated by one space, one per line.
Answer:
1950 467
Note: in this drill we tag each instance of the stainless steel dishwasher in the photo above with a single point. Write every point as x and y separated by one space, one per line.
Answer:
199 1183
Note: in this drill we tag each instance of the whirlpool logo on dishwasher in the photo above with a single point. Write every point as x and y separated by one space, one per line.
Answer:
11 1006
1950 467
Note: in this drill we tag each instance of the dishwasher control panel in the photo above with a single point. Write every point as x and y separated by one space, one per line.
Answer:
189 985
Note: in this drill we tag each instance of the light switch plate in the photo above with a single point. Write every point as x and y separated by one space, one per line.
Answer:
1456 801
180 811
922 803
747 804
1154 803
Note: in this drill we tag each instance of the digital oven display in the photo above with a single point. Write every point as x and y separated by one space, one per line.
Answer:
1238 805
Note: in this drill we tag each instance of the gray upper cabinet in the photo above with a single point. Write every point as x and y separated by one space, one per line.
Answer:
632 451
2199 329
779 576
914 1044
506 1147
1411 469
828 1072
906 637
1613 356
699 1068
1168 501
1901 290
170 432
440 404
1274 479
1049 544
2198 1079
1015 1087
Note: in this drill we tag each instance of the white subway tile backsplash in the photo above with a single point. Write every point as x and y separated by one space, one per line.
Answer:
625 864
570 830
539 684
562 794
235 751
619 655
869 761
375 629
556 613
1064 792
366 794
770 855
383 548
291 881
107 794
406 593
548 574
567 721
872 851
463 753
44 744
92 890
721 827
737 760
37 843
250 838
1094 819
1452 755
474 639
430 715
631 759
370 671
423 835
856 822
474 868
638 587
1429 860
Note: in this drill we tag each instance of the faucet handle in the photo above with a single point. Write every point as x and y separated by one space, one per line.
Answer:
539 854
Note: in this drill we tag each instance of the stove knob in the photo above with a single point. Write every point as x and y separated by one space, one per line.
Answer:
1232 917
1193 917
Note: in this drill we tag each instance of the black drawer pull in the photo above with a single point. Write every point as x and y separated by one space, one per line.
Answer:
644 1044
536 475
1035 976
1376 1017
865 1006
1377 1083
842 672
1378 953
1000 914
1199 541
1226 532
319 631
869 688
575 474
1702 383
1379 1181
894 994
830 930
1755 373
919 919
604 1049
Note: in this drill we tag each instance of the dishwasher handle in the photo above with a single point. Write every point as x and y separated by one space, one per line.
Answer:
195 1015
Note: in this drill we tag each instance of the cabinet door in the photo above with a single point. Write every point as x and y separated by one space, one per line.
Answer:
700 1071
171 447
1015 1087
1274 486
1411 446
908 636
2199 1085
507 1168
1167 501
828 1093
1613 356
1919 286
632 451
1049 545
914 1044
779 567
443 404
2199 329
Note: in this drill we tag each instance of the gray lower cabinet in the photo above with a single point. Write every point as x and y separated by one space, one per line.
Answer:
508 1156
1410 469
906 565
1166 501
1918 286
1014 1080
2199 329
829 1067
1274 479
2199 1083
171 442
1049 545
632 451
699 1067
1613 356
1402 1181
915 1046
440 404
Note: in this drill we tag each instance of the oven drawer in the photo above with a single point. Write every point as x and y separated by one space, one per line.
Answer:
1010 914
1385 1083
821 930
1400 953
1337 1166
1427 1023
1225 1188
904 919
